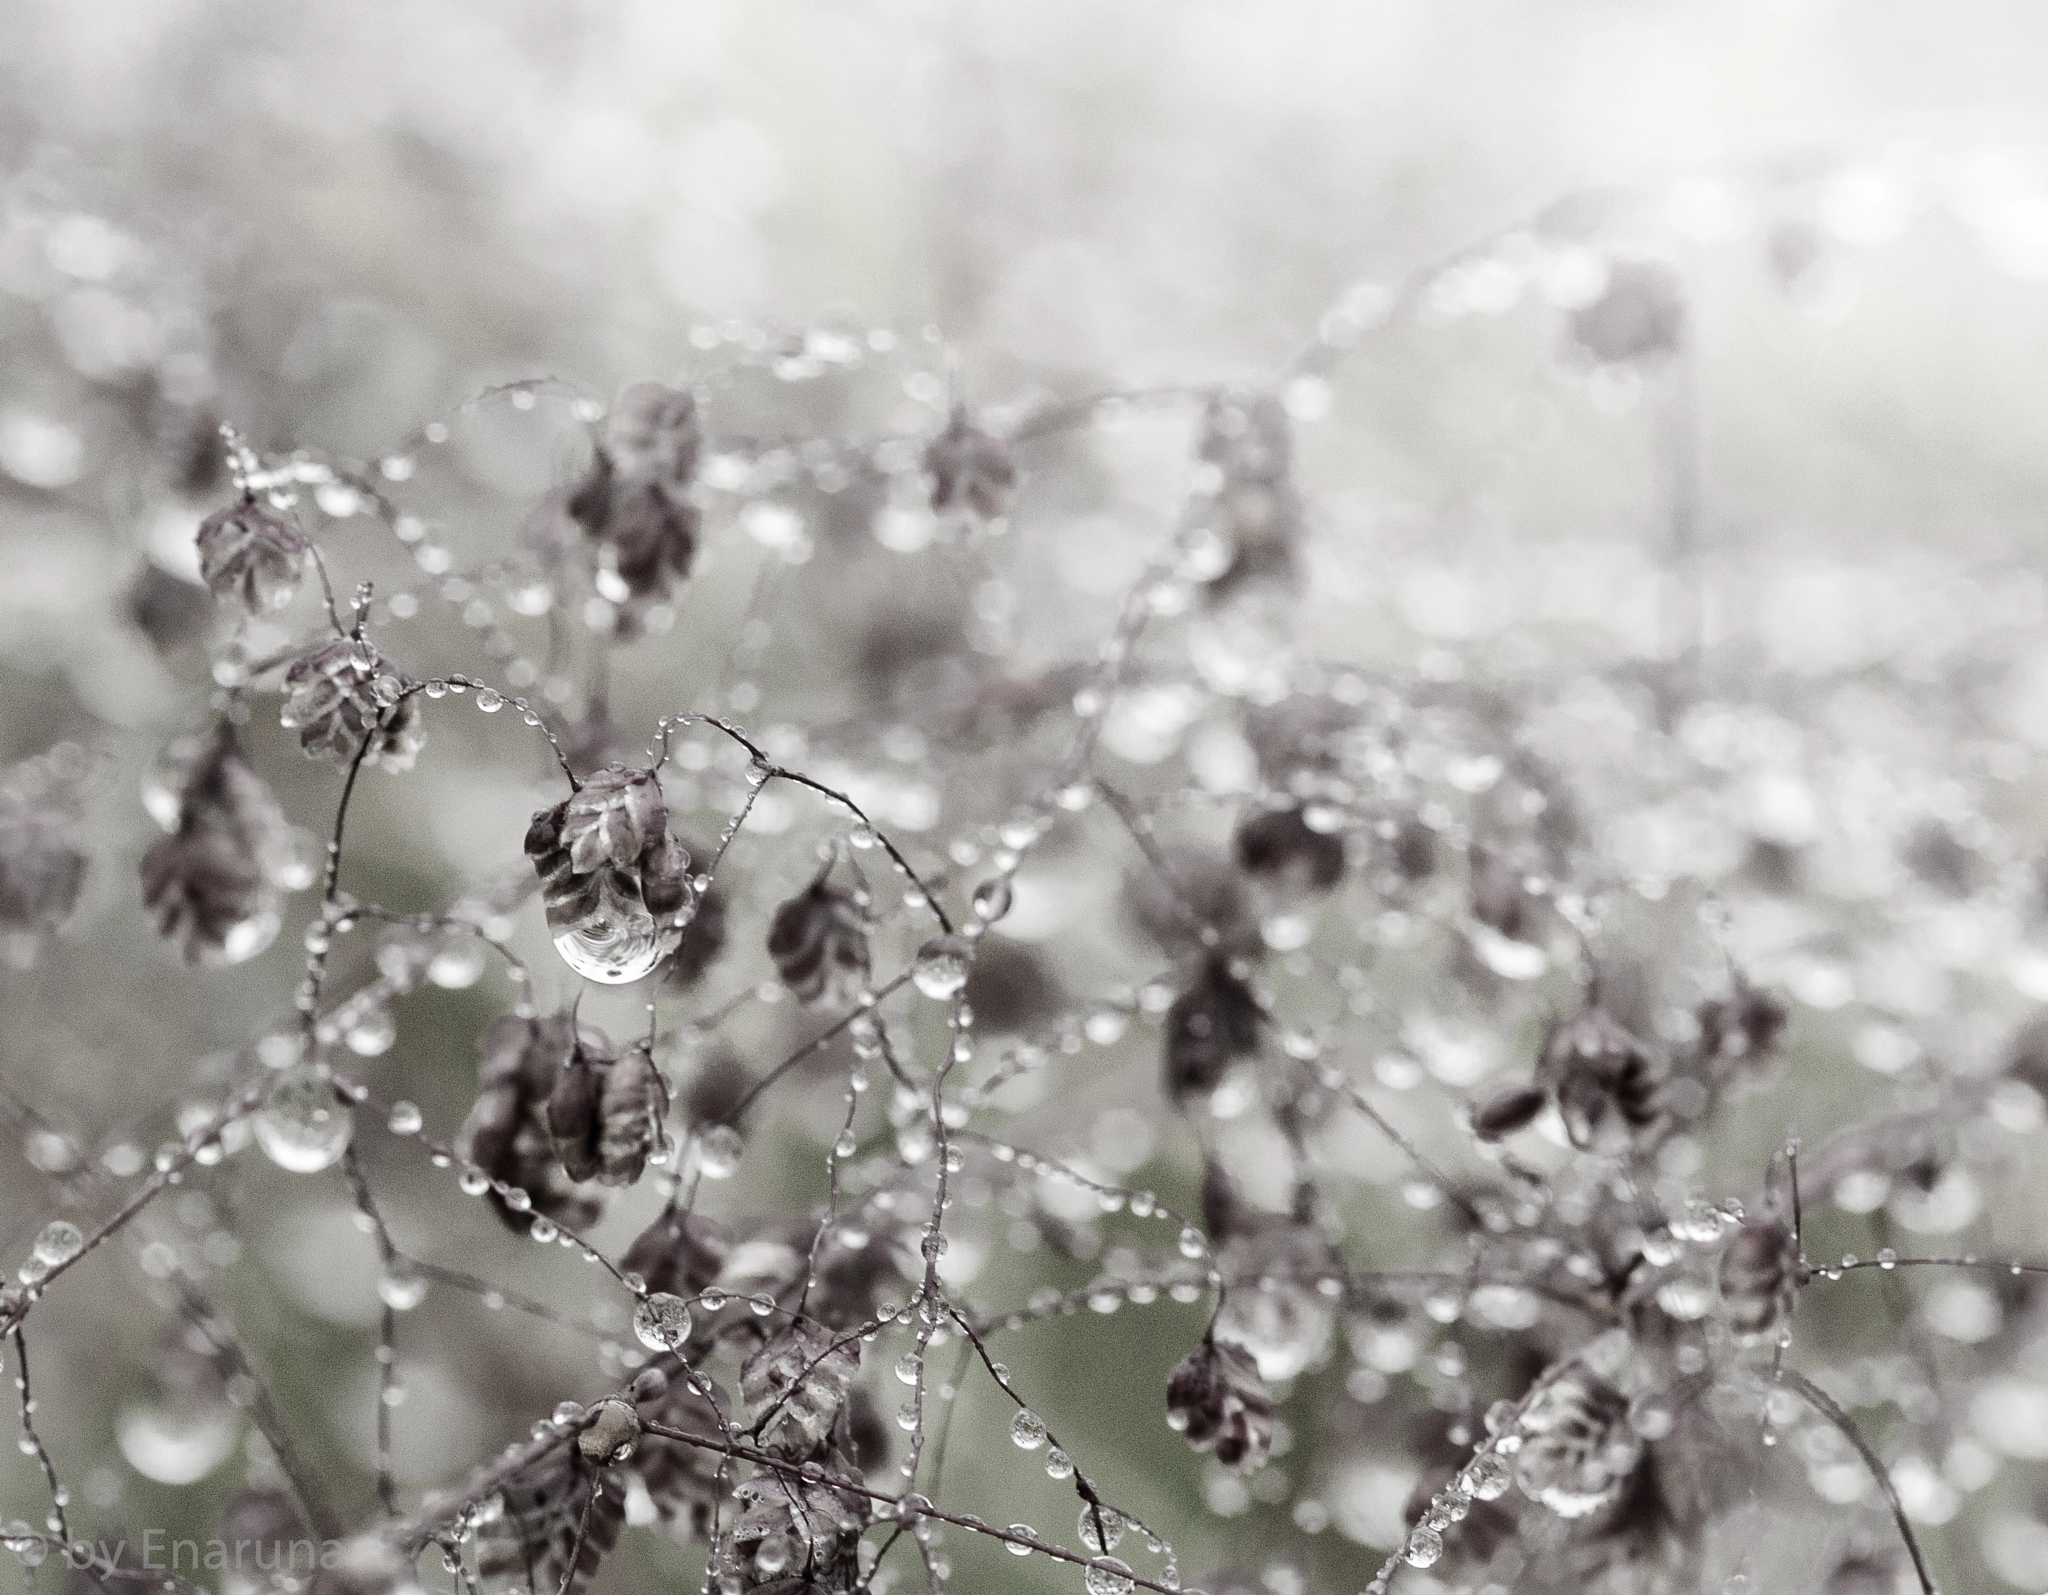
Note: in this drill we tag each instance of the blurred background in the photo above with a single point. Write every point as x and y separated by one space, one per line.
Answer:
331 224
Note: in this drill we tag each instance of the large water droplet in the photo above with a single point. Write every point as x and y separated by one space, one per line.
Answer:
60 1241
1486 1477
618 940
1027 1429
372 1035
402 1286
457 966
771 1556
1107 1576
662 1322
303 1126
1112 1526
1425 1548
244 939
718 1151
942 967
1504 955
992 899
29 1547
177 1445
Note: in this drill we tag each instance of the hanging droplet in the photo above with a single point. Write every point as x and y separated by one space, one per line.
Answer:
1425 1548
372 1035
1027 1430
1102 1537
177 1445
60 1241
1106 1026
245 938
402 1286
718 1151
405 1119
1486 1477
771 1556
1058 1465
942 967
303 1126
992 899
616 941
1108 1576
846 1145
662 1322
457 967
1013 1546
29 1547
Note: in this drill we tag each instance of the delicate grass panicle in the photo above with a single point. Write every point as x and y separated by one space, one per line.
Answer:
1385 1058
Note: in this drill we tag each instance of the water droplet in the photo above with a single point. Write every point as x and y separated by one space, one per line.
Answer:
474 1181
662 1322
1058 1465
372 1035
303 1126
60 1241
489 701
846 1145
1113 1525
1106 1026
1107 1576
457 967
1027 1430
29 1547
1504 955
1486 1477
402 1286
1887 1259
908 1367
942 967
1012 1546
618 940
771 1556
992 899
718 1151
405 1119
1425 1548
177 1445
